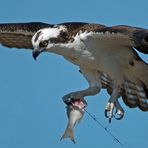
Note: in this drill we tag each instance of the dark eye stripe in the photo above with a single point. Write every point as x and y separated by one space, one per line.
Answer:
54 40
37 36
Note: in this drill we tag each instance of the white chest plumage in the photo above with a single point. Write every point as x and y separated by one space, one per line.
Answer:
97 54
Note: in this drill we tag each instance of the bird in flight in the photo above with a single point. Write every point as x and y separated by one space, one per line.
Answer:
106 56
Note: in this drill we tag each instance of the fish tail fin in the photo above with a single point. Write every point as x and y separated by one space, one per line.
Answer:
69 133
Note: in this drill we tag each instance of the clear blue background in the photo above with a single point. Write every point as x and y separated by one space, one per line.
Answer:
32 113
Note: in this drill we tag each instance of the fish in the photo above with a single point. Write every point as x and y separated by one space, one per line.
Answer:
75 112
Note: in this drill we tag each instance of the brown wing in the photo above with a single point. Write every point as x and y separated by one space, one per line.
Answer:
138 35
19 35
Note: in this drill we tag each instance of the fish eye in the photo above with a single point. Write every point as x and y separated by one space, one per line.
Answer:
43 43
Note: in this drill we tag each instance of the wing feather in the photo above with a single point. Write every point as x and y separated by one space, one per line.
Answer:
114 54
138 35
19 35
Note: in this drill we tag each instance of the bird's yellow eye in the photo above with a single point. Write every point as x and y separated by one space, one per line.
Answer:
43 43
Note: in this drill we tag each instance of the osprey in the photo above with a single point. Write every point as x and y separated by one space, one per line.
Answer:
105 55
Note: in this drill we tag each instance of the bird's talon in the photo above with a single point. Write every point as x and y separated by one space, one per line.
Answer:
119 115
108 115
110 120
106 112
67 100
109 111
70 98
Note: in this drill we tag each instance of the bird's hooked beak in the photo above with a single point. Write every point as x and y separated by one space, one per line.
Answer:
36 52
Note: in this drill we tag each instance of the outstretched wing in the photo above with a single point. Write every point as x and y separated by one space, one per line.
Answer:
19 35
113 50
139 36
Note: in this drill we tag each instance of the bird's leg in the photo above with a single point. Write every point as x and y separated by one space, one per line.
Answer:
113 103
92 76
80 94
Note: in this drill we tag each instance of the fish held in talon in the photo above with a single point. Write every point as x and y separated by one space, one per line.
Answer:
75 112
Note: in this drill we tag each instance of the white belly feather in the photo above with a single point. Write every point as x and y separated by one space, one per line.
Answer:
101 57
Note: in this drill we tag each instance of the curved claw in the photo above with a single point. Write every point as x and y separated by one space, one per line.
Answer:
119 116
108 115
72 97
106 112
67 101
110 120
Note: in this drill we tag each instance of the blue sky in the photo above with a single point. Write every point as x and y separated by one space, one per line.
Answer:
32 113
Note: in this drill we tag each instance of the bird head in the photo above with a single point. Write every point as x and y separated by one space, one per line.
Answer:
47 39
